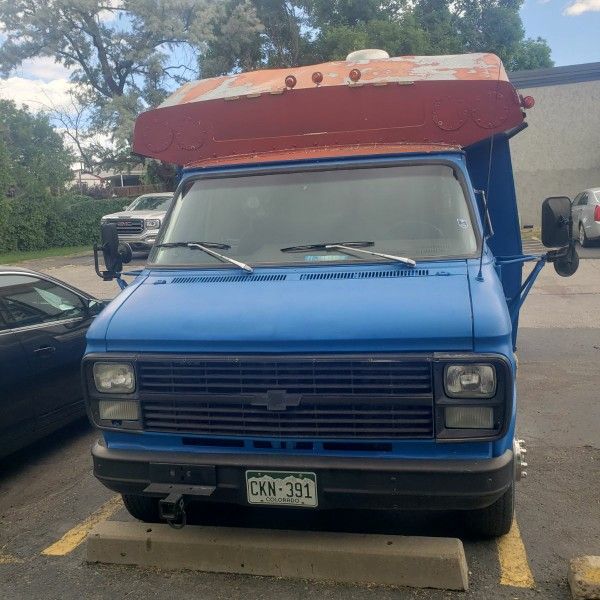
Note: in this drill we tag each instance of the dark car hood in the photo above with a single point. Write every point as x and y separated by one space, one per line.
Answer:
326 309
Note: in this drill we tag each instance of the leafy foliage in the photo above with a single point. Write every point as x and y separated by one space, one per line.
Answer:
33 157
39 222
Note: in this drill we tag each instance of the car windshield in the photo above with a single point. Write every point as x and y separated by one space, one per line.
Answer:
417 211
151 203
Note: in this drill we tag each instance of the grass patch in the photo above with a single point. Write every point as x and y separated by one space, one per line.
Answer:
10 258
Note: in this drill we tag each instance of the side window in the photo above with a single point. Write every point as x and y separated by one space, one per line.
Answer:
27 300
583 200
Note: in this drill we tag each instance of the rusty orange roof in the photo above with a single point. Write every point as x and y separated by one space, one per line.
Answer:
450 100
403 69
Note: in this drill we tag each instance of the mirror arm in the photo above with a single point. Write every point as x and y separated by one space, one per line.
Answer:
518 300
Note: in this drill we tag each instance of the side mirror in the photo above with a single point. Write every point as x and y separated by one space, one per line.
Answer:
556 222
566 264
95 307
110 248
125 252
557 233
113 252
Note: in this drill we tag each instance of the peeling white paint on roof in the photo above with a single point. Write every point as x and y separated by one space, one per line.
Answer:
401 69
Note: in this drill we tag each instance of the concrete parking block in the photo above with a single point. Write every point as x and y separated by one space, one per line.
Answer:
424 562
584 578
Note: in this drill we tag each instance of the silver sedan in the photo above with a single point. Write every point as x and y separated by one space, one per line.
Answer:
586 216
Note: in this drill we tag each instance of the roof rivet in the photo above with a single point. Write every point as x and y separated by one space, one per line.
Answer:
290 81
355 75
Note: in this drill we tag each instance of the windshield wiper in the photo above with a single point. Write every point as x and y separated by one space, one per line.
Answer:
207 247
349 248
213 245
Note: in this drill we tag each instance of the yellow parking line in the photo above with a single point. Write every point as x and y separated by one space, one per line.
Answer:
75 536
8 559
514 567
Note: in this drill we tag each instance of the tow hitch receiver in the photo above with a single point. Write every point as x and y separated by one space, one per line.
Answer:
172 508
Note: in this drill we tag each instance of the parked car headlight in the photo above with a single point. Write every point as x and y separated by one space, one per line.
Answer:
114 378
152 223
470 381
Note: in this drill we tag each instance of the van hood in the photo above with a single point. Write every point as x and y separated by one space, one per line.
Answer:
348 309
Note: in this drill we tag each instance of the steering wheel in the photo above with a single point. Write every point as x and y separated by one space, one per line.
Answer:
403 227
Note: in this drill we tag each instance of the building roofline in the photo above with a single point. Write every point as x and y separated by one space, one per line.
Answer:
555 75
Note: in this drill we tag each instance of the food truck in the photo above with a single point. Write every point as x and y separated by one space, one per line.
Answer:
329 315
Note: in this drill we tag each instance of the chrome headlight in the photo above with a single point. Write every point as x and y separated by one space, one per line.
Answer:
470 381
152 223
114 378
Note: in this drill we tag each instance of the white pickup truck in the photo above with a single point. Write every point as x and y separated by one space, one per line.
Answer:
139 222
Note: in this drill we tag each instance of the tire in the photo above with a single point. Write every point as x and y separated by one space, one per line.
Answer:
143 508
494 520
583 239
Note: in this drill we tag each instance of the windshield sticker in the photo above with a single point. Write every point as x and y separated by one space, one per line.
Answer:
325 257
462 223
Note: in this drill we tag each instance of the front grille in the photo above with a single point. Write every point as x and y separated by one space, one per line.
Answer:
129 226
325 397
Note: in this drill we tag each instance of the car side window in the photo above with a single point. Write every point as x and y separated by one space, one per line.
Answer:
583 200
27 300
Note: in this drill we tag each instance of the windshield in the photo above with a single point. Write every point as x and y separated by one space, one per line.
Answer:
151 203
416 211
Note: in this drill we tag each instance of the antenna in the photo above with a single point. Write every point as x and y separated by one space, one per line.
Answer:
488 230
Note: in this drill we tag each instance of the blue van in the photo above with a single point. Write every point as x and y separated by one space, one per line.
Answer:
329 316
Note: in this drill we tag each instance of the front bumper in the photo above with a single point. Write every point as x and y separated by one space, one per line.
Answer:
342 482
142 241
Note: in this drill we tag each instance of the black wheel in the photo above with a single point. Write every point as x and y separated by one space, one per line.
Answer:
494 520
583 239
144 508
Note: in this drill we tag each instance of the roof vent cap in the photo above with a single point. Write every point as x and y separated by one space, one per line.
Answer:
367 54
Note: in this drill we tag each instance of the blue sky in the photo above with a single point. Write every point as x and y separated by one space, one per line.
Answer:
571 28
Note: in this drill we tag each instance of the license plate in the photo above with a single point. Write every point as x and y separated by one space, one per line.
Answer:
281 488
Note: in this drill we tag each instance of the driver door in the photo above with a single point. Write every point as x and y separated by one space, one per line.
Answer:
51 322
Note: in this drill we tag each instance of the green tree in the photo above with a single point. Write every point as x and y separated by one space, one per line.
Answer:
118 51
426 27
33 157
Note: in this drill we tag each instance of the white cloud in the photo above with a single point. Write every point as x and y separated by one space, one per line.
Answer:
582 6
107 15
38 95
44 68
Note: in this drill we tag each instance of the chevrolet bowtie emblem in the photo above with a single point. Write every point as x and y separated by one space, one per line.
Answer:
276 400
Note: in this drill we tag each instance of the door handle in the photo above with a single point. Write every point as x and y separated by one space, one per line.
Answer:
44 351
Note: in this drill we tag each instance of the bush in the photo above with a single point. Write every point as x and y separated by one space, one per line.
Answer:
37 223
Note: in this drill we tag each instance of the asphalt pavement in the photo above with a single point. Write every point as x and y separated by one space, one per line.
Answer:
49 497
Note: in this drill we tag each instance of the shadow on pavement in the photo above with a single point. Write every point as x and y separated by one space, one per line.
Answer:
44 450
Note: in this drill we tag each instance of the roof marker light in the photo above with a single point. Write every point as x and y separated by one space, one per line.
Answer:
355 75
528 102
317 77
290 81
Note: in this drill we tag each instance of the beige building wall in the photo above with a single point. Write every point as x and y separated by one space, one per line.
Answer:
559 153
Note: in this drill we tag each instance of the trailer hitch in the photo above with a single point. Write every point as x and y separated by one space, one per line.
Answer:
172 510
